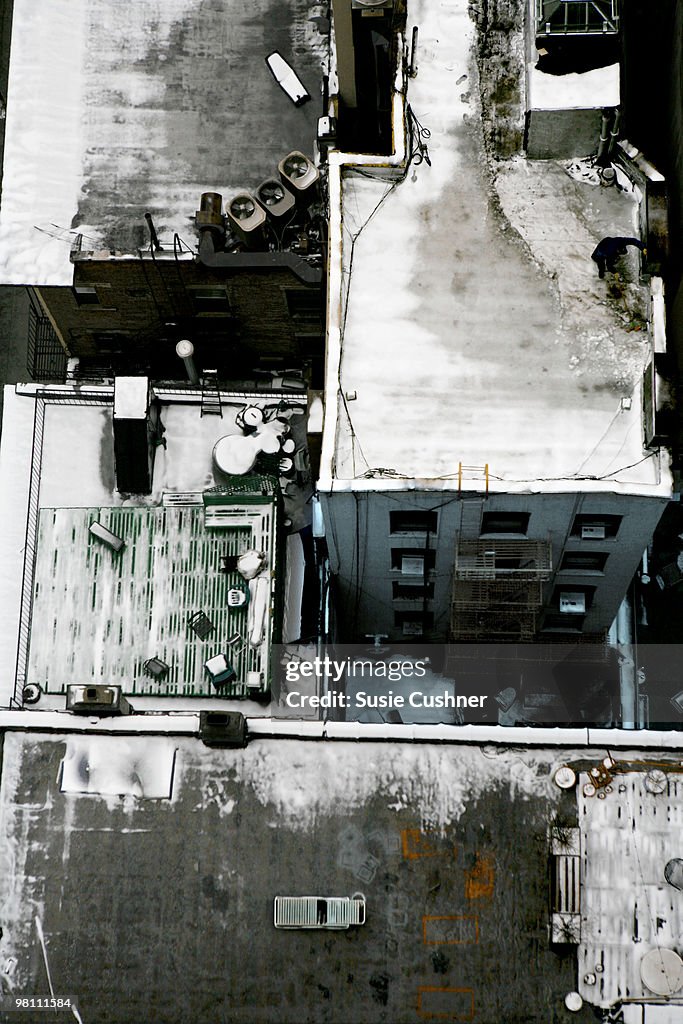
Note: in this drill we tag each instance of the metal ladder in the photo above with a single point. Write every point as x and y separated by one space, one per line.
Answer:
211 396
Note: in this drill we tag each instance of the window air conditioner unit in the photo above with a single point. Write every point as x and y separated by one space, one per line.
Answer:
572 602
300 175
276 200
246 218
99 700
412 565
413 628
592 532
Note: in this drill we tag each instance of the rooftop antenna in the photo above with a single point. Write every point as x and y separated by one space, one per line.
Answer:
152 233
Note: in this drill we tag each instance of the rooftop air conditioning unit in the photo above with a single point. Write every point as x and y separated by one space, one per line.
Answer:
276 200
572 602
222 729
98 700
246 218
412 565
595 532
300 175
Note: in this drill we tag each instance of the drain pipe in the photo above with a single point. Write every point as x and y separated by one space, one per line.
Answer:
602 156
614 132
628 684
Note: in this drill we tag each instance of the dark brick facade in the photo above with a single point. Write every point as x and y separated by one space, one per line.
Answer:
129 313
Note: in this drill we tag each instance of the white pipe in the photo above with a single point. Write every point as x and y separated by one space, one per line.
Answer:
185 349
628 687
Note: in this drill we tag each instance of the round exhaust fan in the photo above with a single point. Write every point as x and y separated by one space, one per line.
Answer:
296 166
271 193
242 208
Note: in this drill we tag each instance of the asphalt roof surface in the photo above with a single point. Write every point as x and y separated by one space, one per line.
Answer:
161 910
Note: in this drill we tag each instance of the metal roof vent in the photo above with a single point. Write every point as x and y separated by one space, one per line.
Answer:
300 175
246 218
275 199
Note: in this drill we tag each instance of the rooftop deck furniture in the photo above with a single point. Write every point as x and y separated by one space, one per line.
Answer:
108 538
201 625
220 671
237 597
156 668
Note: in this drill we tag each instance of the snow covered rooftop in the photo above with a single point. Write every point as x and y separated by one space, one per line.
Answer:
115 110
467 322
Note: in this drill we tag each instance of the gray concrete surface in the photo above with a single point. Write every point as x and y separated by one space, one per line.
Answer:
162 910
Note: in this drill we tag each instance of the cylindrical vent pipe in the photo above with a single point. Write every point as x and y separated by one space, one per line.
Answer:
210 212
185 350
412 70
602 157
614 131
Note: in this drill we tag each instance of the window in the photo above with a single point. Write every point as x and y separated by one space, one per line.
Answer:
86 296
304 304
413 522
595 526
564 623
110 342
505 522
584 561
413 623
412 591
210 301
400 560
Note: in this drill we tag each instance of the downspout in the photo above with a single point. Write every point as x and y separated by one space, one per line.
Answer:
604 146
628 686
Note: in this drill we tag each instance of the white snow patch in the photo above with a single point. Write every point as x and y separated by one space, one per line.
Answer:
303 781
118 766
588 90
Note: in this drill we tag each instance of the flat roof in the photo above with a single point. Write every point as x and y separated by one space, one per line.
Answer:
628 908
114 111
447 843
77 603
467 321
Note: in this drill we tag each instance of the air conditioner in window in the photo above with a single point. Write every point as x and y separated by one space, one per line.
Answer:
246 218
98 700
300 175
592 532
572 602
413 628
412 565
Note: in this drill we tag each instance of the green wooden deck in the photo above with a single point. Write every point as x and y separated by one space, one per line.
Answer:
98 615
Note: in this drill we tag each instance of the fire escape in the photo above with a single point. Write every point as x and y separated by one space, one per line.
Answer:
498 589
577 17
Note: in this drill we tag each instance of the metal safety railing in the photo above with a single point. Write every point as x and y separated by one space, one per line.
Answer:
30 544
577 17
